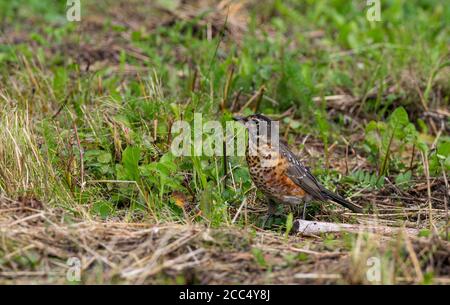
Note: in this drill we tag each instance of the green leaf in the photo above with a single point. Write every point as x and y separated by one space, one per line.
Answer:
104 157
148 170
163 169
380 138
440 159
398 118
130 161
402 180
167 161
206 203
121 174
102 208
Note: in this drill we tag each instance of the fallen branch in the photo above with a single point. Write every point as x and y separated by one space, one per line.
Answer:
316 227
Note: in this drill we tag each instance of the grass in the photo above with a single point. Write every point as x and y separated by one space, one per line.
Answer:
87 110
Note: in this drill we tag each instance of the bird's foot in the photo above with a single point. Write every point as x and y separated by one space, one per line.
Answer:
271 211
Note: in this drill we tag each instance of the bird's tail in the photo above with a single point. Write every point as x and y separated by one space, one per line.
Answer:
338 199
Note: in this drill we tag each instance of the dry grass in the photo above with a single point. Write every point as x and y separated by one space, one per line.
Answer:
36 243
23 167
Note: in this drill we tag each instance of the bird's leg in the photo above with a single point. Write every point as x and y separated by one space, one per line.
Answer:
305 200
304 210
271 209
294 208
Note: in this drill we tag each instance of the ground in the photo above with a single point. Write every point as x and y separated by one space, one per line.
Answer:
88 180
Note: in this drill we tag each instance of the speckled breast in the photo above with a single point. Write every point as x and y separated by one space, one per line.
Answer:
268 171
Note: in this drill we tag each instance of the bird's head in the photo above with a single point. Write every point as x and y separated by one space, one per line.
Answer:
252 119
258 125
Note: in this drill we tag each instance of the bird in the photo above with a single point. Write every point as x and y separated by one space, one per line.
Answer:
277 171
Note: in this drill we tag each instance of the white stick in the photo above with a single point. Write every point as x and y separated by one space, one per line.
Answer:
316 227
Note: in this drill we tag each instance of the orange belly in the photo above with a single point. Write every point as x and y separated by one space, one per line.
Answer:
292 189
273 180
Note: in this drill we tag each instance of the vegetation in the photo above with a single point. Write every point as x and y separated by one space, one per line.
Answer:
87 109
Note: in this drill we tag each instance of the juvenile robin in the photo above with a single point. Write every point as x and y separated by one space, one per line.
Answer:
277 171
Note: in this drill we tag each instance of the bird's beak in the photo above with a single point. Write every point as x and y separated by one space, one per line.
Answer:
238 118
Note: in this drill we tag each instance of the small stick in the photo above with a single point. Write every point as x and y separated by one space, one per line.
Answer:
414 260
256 97
235 100
259 98
64 103
446 195
427 175
244 202
193 80
308 227
412 157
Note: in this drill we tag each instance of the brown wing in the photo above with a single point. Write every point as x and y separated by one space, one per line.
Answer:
300 175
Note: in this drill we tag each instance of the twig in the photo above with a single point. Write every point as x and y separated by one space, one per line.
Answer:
446 195
317 276
415 261
316 227
235 100
60 108
244 202
427 175
25 219
257 96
